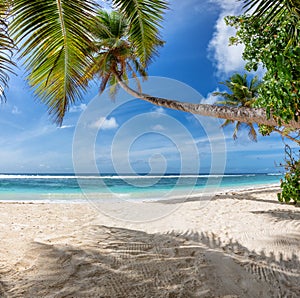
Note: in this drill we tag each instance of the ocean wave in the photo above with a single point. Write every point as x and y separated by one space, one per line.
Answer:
26 176
23 176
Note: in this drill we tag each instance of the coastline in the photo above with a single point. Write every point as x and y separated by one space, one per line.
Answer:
81 198
241 244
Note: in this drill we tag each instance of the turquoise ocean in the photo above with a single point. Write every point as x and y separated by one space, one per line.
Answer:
71 188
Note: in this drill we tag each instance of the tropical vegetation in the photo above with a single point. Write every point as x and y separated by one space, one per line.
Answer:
271 39
242 93
114 51
55 40
290 185
66 44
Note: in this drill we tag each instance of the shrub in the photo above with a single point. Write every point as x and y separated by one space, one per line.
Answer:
290 184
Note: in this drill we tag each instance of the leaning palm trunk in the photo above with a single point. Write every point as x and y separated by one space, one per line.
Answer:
242 114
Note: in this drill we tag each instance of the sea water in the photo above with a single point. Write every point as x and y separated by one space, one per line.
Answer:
72 188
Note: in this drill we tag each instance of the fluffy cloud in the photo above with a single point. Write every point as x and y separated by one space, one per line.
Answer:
105 123
210 98
79 108
226 58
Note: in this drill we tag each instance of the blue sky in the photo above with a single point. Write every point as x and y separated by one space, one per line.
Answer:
138 136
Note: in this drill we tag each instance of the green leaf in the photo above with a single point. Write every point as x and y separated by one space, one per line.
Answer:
53 39
145 17
271 9
7 48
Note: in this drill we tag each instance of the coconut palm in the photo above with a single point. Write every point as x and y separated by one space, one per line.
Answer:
52 38
114 51
116 56
242 94
56 41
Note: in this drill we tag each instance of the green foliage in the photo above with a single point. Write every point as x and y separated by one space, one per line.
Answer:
291 183
61 49
114 51
272 41
53 40
7 48
269 45
272 9
145 17
265 130
242 93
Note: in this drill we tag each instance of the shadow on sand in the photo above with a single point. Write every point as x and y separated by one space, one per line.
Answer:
100 261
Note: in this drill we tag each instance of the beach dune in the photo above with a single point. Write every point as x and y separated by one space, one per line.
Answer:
242 244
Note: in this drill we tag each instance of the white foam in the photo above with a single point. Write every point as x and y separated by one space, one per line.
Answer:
26 176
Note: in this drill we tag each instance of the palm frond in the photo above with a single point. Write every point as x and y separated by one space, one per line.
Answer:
114 87
140 69
104 82
269 9
114 51
133 74
7 48
252 132
243 94
228 102
99 67
55 43
237 129
225 95
109 25
227 122
145 17
254 83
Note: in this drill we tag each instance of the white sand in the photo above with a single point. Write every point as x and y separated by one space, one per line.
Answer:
244 244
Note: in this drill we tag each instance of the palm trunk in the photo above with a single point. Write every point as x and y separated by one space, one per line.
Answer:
242 114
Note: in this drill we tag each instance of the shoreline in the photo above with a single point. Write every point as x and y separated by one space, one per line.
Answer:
80 198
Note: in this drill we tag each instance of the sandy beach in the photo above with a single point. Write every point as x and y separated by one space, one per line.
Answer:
239 244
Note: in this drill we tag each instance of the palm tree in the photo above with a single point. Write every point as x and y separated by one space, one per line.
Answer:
6 49
114 51
59 48
242 94
116 55
55 39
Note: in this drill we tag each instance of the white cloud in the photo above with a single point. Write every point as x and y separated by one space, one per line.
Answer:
226 58
79 108
160 110
158 127
210 98
15 110
105 123
65 126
